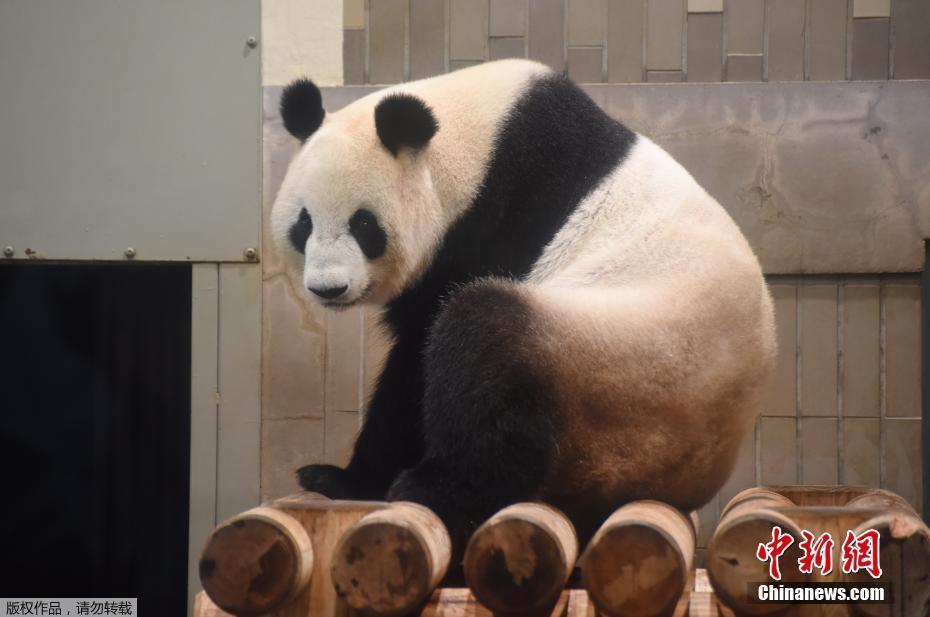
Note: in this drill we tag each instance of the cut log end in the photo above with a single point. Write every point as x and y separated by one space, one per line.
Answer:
390 561
732 563
256 562
205 607
520 559
638 563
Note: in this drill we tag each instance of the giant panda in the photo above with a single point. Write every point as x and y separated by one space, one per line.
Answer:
573 318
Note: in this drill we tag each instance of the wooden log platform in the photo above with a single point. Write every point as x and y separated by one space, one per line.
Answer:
228 574
749 518
306 556
461 602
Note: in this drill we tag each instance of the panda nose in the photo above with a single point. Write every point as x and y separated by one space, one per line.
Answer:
329 293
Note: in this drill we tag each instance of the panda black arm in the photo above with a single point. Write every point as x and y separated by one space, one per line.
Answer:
390 440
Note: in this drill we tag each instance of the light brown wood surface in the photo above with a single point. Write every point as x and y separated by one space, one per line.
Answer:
204 607
256 561
639 562
391 560
732 564
460 602
905 561
747 521
326 523
518 561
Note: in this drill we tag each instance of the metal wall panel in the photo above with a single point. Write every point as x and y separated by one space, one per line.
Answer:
129 124
204 407
225 400
239 384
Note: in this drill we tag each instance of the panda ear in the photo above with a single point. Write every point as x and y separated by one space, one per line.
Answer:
404 120
302 108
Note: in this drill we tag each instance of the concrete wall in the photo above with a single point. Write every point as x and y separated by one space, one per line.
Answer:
302 37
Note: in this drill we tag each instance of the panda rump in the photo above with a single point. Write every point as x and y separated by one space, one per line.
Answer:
573 318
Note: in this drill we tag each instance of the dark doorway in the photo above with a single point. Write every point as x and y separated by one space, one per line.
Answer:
95 429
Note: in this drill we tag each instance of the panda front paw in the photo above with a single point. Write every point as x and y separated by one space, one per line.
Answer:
329 480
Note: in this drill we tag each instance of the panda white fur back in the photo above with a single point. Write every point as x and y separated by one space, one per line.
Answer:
574 318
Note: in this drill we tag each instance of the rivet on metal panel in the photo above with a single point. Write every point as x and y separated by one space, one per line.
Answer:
129 253
252 42
251 254
8 251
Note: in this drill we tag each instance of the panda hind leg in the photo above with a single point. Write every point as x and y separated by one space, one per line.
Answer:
488 412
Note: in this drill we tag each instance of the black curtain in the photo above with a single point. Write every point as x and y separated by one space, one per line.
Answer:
95 432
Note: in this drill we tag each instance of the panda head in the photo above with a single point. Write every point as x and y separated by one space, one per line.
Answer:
357 210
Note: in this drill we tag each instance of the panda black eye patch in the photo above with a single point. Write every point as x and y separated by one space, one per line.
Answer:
369 234
300 231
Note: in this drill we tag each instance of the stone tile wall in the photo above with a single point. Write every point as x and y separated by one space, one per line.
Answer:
844 406
828 181
317 365
625 41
